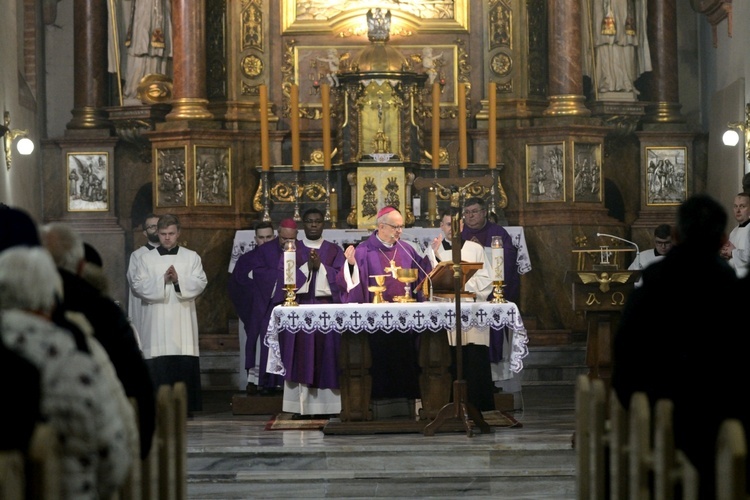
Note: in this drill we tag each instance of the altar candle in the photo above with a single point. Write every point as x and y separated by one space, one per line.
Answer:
265 160
325 103
432 203
498 258
290 263
294 95
334 204
462 153
436 126
492 127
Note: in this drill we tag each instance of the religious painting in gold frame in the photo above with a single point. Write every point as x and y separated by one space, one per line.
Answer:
170 166
348 18
378 187
587 171
213 176
545 172
88 181
666 175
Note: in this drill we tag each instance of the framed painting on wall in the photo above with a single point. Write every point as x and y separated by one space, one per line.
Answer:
88 181
545 172
587 172
171 175
666 175
213 174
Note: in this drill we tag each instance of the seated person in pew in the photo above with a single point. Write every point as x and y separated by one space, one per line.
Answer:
395 372
694 357
308 389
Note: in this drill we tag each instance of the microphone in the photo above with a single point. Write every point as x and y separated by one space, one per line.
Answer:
637 250
426 274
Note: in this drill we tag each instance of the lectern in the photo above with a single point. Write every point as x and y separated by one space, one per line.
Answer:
600 292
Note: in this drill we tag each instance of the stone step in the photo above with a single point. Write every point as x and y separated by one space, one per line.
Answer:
507 470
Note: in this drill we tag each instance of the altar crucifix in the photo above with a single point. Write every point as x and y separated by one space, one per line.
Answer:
460 408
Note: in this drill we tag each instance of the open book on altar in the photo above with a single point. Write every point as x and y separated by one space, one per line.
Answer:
442 279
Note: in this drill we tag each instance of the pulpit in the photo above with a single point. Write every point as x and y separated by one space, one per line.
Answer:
600 293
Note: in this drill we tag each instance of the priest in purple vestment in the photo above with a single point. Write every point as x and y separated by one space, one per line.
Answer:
242 291
321 262
480 230
395 372
266 269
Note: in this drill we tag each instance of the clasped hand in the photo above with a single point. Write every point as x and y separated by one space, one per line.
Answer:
314 262
171 275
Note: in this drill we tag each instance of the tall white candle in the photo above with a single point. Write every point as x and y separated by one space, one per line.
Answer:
290 264
498 259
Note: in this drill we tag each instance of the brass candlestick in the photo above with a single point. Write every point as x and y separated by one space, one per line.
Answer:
406 276
379 289
291 296
497 290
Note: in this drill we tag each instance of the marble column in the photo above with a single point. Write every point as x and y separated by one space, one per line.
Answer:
663 89
565 72
189 61
89 65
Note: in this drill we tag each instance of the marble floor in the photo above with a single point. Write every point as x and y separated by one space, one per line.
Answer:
233 456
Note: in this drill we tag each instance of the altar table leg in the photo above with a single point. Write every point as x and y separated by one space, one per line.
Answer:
355 361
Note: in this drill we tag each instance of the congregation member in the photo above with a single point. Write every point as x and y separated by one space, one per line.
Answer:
266 268
308 389
479 229
109 324
242 290
668 356
170 279
395 373
152 241
736 250
80 397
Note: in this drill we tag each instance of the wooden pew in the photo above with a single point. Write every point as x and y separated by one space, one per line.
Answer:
44 465
731 459
590 438
131 489
12 480
180 402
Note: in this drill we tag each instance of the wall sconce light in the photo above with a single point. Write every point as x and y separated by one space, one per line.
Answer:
25 145
731 137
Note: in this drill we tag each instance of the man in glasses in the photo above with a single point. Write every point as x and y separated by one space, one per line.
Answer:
394 371
152 241
662 245
480 230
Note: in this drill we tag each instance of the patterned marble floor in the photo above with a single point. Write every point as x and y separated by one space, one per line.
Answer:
234 457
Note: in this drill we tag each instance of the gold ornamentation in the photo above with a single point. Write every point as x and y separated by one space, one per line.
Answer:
252 66
501 64
501 26
252 24
369 200
154 89
604 279
291 192
258 198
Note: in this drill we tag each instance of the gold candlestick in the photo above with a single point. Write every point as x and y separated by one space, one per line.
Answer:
497 291
291 296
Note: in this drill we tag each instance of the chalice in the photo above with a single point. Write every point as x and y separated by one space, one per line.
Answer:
406 276
378 289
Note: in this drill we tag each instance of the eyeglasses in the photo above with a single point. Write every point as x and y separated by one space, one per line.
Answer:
313 221
397 228
154 226
473 212
662 243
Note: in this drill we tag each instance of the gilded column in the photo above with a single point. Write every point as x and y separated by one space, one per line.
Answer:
89 65
189 61
565 73
663 87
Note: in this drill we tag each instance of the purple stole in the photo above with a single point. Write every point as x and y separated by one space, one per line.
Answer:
332 258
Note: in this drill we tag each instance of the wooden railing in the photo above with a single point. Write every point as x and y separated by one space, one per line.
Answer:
161 475
628 455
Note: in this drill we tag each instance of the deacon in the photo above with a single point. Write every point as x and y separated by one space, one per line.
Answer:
308 388
152 241
394 371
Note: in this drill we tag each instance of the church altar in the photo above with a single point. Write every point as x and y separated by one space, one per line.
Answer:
338 329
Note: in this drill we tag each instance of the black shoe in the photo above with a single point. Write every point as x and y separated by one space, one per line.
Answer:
251 389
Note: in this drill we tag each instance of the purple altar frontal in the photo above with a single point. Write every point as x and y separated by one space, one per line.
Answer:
304 341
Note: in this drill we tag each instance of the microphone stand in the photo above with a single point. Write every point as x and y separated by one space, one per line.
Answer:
459 408
637 250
